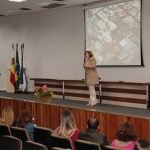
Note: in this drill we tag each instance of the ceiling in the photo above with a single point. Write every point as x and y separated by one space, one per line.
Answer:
31 6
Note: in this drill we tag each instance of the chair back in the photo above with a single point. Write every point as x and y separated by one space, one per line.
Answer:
29 145
10 143
108 147
42 136
86 145
60 142
20 133
4 129
57 148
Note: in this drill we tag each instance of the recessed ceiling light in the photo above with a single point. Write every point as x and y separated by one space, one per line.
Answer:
17 1
14 11
45 3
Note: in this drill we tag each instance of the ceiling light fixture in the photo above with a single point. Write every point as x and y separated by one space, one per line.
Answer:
14 11
18 1
45 3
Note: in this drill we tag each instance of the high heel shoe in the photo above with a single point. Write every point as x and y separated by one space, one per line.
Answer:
94 103
88 104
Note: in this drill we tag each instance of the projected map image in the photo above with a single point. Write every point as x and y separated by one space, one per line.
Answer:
113 33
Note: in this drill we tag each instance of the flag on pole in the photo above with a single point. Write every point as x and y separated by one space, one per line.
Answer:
17 68
12 69
23 79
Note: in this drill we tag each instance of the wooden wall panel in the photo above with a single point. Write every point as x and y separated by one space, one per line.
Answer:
121 93
48 115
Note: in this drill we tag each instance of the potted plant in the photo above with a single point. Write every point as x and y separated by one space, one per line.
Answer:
42 93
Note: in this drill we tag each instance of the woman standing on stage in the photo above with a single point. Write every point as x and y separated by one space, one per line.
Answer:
91 76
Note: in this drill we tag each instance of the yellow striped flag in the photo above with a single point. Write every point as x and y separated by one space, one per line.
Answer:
12 72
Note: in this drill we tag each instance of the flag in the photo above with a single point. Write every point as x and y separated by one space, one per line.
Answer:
17 69
23 79
12 69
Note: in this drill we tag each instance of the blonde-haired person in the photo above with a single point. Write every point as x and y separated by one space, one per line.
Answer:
67 127
91 76
7 116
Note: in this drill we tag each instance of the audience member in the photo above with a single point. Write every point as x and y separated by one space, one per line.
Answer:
67 127
143 144
92 134
125 137
7 116
25 121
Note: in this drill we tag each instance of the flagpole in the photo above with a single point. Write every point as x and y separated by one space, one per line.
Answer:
23 79
17 74
12 72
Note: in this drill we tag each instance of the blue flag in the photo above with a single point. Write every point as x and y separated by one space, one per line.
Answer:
23 79
17 67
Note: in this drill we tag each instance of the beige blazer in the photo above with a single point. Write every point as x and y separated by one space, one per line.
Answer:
91 76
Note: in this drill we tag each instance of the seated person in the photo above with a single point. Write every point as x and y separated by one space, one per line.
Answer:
7 116
67 127
125 137
91 134
25 121
143 144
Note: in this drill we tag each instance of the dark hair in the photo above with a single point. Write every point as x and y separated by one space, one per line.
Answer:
90 53
143 143
93 123
24 118
126 133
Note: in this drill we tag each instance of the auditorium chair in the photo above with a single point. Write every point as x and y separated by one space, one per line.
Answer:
57 148
86 145
108 147
10 143
29 145
42 136
20 133
60 142
4 129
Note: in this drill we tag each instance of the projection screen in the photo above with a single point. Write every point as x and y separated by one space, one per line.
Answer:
113 33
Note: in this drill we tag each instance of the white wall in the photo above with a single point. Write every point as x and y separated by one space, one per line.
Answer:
54 46
54 43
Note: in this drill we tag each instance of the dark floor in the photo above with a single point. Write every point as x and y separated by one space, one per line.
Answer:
136 112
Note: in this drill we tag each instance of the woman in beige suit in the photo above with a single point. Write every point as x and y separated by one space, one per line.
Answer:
91 76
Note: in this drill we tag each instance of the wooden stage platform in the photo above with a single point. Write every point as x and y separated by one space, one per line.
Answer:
48 114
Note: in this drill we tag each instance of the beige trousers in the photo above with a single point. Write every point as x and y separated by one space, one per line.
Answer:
92 93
